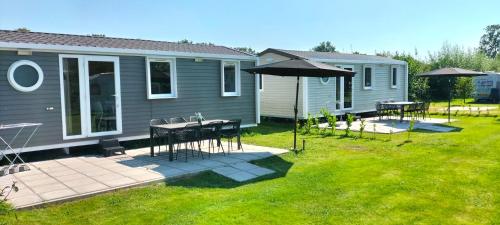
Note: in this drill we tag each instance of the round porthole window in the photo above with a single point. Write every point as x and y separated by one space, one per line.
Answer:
324 80
25 75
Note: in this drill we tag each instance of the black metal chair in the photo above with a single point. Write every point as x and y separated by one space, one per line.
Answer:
425 113
380 110
189 135
232 130
178 120
411 111
159 134
211 132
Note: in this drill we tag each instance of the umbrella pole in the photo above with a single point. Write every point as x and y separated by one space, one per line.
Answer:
295 110
449 99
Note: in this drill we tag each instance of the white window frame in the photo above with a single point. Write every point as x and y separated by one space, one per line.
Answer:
392 77
173 77
324 82
237 91
85 95
364 77
12 81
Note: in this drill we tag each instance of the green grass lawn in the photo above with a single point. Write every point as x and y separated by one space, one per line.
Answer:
437 178
441 106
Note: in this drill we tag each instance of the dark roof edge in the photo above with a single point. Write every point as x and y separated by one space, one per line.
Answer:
290 55
277 51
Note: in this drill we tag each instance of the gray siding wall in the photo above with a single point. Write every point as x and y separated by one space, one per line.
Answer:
321 96
198 86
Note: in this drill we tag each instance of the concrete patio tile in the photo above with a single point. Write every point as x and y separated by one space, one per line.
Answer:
226 170
260 171
209 163
189 167
169 172
90 187
49 188
79 182
226 159
57 194
241 176
26 200
65 172
70 177
32 172
245 156
145 176
40 182
29 176
23 191
244 166
119 182
97 172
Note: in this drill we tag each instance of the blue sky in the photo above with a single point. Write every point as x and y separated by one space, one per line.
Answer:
364 26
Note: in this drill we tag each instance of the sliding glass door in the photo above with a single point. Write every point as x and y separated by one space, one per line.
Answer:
90 96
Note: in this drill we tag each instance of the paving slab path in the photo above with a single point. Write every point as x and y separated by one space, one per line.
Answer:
76 177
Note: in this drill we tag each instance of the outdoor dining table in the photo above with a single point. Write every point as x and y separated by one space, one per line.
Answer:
171 128
401 105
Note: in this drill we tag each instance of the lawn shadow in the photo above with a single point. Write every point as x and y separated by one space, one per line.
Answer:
404 142
209 179
268 128
454 129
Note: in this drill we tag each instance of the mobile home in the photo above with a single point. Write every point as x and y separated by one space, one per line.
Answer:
487 88
377 78
84 87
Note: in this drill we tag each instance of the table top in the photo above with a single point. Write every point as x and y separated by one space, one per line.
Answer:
399 103
174 126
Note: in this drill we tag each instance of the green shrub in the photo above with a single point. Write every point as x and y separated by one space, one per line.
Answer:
410 128
309 124
349 120
332 122
362 128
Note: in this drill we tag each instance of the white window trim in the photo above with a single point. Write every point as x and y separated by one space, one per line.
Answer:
237 91
371 86
397 72
85 95
323 82
17 64
173 78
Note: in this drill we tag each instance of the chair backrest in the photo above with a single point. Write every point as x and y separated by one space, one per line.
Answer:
233 125
177 120
157 122
216 125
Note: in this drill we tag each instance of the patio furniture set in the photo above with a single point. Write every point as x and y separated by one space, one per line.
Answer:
411 109
191 135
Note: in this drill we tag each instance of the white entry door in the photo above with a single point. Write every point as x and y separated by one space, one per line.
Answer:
343 91
90 96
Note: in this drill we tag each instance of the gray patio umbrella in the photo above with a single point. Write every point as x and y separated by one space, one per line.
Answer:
449 73
299 68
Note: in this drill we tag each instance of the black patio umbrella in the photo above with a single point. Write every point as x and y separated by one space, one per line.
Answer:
299 68
449 73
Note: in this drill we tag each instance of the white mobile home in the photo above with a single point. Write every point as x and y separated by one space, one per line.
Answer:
377 78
